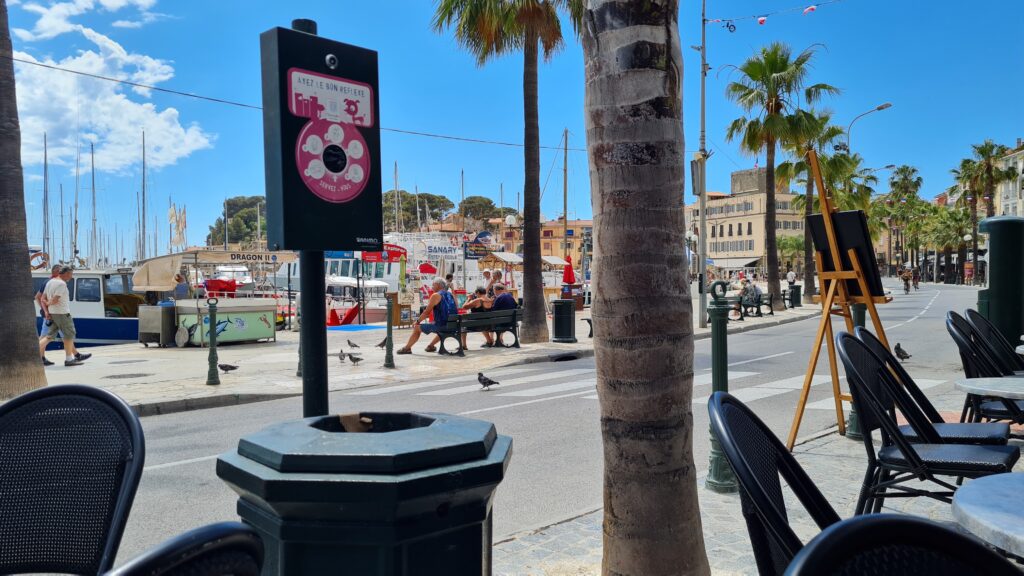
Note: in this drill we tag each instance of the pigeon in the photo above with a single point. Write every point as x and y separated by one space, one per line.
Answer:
485 381
355 359
382 343
352 344
341 355
227 367
901 353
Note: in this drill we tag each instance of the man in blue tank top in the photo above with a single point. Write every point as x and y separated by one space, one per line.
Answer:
442 304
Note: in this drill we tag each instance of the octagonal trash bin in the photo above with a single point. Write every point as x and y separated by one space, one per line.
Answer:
383 493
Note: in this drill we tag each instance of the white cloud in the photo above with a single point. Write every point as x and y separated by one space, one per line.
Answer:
55 19
145 17
74 109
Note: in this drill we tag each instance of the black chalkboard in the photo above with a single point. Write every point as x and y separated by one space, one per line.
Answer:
851 232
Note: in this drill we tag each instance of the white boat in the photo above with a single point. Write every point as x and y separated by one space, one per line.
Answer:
240 274
343 293
103 304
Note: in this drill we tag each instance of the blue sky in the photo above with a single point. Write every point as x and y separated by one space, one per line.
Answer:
952 70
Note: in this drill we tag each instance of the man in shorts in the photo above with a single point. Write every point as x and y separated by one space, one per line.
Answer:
45 327
58 308
442 304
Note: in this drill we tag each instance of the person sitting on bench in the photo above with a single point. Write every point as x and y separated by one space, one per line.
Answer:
442 304
479 303
503 300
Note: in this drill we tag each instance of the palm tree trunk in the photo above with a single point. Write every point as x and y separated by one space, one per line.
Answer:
21 369
808 242
535 319
974 240
771 242
644 353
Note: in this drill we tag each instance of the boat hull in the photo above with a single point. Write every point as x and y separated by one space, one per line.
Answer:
99 332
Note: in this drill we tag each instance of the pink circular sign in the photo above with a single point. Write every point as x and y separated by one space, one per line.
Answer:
332 159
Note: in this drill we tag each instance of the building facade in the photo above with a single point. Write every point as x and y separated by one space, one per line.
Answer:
736 223
1010 194
553 240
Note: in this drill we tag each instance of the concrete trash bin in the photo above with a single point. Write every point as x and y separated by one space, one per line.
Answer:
1005 307
563 319
380 493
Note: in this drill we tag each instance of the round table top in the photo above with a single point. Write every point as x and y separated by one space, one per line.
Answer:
988 508
1020 349
1005 387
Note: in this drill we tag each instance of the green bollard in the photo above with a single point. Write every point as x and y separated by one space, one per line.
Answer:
857 312
720 476
213 377
389 358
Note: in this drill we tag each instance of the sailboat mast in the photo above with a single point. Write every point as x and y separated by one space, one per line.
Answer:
63 244
142 204
94 249
398 200
46 200
419 226
565 195
170 223
74 213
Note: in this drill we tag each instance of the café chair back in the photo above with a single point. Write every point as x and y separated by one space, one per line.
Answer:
70 461
924 416
214 550
888 544
876 395
1001 350
761 464
978 362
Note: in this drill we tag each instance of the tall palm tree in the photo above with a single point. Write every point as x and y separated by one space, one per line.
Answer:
634 122
20 370
904 205
990 175
491 28
808 130
947 231
770 84
968 177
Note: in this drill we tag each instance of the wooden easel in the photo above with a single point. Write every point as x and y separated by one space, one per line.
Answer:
835 302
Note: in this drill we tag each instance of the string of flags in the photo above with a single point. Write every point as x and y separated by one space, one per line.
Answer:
730 23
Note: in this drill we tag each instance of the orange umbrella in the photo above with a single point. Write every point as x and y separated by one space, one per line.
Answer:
568 275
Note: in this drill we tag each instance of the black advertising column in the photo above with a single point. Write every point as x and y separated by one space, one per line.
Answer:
322 160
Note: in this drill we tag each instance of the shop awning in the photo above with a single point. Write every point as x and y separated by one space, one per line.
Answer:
157 274
734 263
554 261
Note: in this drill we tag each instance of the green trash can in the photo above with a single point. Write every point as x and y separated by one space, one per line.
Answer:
384 493
564 321
983 303
794 296
1005 307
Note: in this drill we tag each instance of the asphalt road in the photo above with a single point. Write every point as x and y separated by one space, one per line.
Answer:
550 410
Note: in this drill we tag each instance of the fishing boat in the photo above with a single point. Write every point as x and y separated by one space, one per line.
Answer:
103 303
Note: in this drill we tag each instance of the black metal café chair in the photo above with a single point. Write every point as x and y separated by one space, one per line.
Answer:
894 544
999 348
924 413
70 462
758 459
876 395
977 362
213 550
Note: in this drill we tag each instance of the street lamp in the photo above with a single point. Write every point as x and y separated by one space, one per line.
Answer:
967 240
849 128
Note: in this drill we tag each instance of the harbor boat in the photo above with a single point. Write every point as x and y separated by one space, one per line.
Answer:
345 292
103 303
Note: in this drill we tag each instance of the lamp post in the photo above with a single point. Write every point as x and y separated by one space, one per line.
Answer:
974 272
849 128
691 244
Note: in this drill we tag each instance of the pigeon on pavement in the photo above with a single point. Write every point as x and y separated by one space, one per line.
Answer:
901 353
352 344
355 359
382 343
227 367
485 382
341 355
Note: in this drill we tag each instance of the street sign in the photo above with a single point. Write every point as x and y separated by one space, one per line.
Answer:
321 132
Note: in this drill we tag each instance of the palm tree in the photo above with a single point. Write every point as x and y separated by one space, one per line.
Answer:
21 369
491 28
790 248
990 175
946 230
634 123
769 84
968 178
904 206
808 130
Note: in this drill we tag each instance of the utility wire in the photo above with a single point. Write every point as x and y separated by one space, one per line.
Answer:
252 107
776 12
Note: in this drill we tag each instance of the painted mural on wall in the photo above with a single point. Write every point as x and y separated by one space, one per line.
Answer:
230 327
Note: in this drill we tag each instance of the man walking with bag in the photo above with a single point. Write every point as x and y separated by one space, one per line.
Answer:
58 307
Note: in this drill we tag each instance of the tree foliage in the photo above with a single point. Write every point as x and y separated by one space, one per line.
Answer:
241 212
432 208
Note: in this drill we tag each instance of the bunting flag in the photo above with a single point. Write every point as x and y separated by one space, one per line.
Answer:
761 20
810 9
730 23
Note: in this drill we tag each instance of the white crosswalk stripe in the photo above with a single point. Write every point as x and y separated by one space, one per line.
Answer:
432 383
748 394
830 404
705 378
796 382
563 387
507 383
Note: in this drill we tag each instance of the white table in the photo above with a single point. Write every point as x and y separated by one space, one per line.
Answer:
1020 349
1006 387
990 509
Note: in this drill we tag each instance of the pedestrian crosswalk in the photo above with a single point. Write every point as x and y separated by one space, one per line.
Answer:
541 382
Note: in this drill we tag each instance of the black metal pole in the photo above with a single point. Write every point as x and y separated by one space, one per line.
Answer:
313 328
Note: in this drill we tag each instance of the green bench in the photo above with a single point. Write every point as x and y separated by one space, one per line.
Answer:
497 321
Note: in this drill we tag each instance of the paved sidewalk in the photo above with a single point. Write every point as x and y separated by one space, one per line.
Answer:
835 463
163 380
